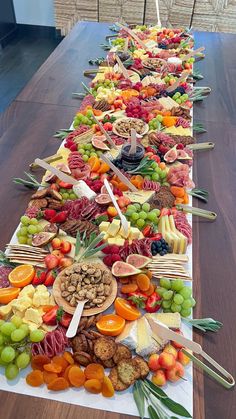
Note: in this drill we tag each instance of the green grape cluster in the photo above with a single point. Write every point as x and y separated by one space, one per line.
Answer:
15 339
28 227
81 119
158 175
176 297
142 215
87 150
155 122
118 42
108 84
180 98
67 194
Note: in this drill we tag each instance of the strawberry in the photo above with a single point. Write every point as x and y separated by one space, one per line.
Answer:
53 316
66 319
39 277
50 278
51 261
49 214
60 217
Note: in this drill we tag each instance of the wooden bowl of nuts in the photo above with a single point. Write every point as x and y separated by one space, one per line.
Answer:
85 281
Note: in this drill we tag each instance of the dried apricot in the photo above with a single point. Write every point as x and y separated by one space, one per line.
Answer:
58 384
143 282
53 368
94 371
149 274
35 378
93 386
68 357
38 361
61 361
49 376
66 372
76 376
150 290
107 387
126 289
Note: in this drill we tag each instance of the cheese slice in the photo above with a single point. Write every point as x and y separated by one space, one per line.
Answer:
129 336
171 320
33 316
146 344
140 197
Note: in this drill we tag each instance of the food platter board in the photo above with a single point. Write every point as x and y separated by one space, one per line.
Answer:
82 213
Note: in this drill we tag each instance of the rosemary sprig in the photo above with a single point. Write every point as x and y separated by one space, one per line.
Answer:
97 61
62 133
201 194
106 47
205 324
114 28
198 128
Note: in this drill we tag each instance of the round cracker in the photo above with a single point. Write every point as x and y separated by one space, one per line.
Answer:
104 348
116 382
142 365
128 373
82 358
122 352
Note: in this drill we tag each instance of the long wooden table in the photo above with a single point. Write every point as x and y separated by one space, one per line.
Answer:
45 105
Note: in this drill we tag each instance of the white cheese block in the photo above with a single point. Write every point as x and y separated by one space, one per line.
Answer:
140 196
146 344
128 336
82 189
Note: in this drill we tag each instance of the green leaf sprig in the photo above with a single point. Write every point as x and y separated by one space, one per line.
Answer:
144 168
5 261
146 394
205 324
62 133
30 183
90 245
201 194
96 61
198 128
197 75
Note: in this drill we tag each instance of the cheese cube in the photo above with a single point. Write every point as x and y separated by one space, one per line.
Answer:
21 303
114 227
119 241
123 233
27 291
134 233
104 226
32 326
18 313
41 299
6 310
47 327
33 316
41 288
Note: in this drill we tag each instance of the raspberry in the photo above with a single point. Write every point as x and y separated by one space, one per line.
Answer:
107 250
115 258
114 249
180 146
108 260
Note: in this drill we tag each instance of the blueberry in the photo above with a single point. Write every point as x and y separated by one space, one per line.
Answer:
154 252
162 253
158 244
163 241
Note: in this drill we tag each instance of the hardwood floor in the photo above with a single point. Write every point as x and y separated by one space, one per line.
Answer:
19 60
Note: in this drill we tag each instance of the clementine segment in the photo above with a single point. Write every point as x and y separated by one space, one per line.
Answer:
126 310
21 276
111 325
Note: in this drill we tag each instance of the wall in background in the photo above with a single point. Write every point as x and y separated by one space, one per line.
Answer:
34 12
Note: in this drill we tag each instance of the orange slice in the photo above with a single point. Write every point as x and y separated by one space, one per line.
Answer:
110 325
8 294
94 163
126 310
21 276
103 168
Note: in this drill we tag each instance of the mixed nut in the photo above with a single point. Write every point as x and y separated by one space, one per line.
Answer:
83 281
123 126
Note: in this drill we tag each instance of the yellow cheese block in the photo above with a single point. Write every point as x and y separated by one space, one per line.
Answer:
27 291
5 311
22 303
178 131
33 316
